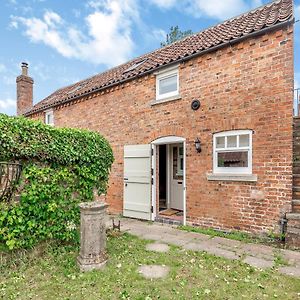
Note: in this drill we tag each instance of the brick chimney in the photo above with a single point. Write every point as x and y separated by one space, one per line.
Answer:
24 90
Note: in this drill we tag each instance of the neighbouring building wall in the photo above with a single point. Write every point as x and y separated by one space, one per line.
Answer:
246 86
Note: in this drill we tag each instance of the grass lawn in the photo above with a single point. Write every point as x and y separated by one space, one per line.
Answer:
50 272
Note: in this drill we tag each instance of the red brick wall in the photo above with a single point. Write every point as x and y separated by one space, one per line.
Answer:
24 93
246 86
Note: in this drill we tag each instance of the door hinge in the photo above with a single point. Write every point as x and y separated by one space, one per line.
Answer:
152 210
152 171
152 151
152 180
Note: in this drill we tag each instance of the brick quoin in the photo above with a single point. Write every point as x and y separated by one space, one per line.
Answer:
248 85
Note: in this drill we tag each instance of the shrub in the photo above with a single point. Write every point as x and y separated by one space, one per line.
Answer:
61 167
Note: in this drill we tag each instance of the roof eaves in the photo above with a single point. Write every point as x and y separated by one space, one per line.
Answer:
265 29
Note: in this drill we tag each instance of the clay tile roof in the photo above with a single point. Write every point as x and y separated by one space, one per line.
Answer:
267 16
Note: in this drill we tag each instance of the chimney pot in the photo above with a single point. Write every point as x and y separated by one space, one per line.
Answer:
24 67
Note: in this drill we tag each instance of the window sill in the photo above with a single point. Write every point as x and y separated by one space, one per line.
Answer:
232 177
164 100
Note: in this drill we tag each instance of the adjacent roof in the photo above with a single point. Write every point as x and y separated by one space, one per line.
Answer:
267 16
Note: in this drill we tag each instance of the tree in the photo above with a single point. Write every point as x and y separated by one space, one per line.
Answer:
174 35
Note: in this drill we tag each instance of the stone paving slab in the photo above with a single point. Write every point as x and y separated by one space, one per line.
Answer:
256 255
199 246
292 271
224 253
153 271
158 247
292 257
227 242
258 262
258 250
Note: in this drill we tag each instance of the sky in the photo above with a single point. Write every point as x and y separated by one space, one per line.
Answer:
67 41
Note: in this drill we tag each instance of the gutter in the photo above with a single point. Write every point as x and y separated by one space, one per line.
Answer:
183 59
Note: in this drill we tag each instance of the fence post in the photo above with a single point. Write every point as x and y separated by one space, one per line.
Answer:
92 236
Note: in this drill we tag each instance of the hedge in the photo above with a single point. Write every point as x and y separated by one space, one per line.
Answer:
61 167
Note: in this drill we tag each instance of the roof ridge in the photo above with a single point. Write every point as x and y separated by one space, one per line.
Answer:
169 45
189 46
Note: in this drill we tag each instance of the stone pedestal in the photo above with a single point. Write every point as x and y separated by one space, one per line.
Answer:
92 236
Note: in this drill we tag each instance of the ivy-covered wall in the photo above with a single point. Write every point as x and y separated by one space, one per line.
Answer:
60 168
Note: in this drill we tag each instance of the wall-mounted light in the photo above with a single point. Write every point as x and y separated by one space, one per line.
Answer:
198 145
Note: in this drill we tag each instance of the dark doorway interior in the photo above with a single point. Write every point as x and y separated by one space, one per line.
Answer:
162 166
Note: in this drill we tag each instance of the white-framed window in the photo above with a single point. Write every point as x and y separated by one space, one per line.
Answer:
167 84
232 152
49 117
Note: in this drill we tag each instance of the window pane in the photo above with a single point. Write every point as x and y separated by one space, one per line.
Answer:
168 85
233 159
180 150
181 164
244 140
177 164
220 142
232 141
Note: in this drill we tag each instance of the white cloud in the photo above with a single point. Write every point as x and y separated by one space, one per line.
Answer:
218 9
159 34
106 40
7 104
164 3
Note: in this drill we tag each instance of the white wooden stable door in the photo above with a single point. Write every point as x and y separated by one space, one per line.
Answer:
137 182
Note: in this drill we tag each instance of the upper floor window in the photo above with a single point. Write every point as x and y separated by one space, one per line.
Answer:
233 152
49 117
167 84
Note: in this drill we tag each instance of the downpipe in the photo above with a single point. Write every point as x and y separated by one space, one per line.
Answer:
283 227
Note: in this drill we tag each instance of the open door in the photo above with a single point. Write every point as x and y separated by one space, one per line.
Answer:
176 176
137 181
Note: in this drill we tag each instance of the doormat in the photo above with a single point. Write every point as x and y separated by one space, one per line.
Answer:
168 212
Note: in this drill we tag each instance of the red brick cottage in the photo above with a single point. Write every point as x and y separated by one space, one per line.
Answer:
202 129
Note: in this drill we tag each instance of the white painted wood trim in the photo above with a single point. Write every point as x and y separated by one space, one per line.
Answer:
168 152
163 75
168 140
234 170
153 165
184 183
49 113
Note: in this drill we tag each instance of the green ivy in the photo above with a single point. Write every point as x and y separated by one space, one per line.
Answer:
61 168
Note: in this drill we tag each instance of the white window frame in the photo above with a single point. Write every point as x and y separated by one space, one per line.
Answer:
163 75
233 170
49 114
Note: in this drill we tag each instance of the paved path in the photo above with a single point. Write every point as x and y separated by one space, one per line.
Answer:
256 255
